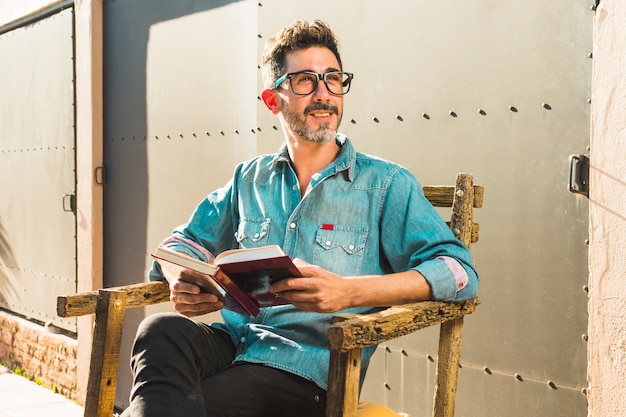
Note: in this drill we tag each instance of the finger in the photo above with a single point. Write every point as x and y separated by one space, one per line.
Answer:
184 287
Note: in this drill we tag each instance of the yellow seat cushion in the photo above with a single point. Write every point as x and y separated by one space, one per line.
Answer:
376 410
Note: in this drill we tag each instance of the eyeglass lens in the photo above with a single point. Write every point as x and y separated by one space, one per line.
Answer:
304 83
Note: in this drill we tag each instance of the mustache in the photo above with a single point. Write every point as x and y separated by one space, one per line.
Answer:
321 106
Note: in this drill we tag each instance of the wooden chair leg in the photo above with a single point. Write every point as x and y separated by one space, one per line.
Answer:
450 338
343 383
105 354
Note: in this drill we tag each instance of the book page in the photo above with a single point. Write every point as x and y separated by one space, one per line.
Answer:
250 254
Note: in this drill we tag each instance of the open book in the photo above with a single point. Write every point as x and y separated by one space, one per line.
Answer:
244 274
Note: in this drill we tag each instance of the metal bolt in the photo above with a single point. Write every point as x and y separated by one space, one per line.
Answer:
375 119
519 377
552 385
481 111
546 106
353 121
453 114
513 109
487 371
425 116
117 305
430 358
399 117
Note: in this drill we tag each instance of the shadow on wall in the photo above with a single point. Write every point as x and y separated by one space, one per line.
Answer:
127 25
8 290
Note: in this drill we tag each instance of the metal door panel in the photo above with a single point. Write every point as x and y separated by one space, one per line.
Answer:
499 89
37 168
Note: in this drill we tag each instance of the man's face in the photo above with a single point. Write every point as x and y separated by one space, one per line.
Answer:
314 117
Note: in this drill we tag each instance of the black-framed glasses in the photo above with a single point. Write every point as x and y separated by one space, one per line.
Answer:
304 83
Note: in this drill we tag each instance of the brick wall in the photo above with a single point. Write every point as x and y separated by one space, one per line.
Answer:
42 355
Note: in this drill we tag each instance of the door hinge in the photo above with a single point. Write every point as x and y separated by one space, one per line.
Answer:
579 174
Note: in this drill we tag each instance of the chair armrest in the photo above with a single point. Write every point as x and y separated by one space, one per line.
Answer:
357 331
137 295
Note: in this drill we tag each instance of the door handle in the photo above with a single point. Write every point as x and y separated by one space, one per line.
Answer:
579 174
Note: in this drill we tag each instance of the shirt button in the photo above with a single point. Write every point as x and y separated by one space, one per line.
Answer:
242 340
295 187
256 235
292 225
328 243
351 247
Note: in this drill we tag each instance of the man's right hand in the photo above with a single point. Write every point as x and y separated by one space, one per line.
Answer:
190 300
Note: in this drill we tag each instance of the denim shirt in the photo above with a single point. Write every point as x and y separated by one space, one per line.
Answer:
361 215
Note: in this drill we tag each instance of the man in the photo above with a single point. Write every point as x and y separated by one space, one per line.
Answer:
359 229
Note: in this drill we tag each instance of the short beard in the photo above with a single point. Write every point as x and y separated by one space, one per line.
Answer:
323 135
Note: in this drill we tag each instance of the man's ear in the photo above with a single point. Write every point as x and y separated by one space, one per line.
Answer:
269 98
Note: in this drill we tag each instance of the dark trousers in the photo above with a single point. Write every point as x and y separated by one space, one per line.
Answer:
182 367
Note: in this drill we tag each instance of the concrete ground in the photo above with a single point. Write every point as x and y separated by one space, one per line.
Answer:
20 397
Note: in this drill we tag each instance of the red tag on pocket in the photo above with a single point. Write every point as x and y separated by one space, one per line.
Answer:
328 227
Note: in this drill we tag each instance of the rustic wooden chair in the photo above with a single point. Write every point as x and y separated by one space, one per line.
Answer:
347 336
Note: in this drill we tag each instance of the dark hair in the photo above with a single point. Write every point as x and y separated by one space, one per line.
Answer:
295 37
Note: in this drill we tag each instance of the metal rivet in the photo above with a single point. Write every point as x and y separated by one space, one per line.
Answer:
459 193
481 111
585 337
513 109
387 349
193 134
207 133
222 132
519 377
585 288
399 117
252 130
583 391
236 131
590 55
453 114
353 121
456 232
274 127
375 119
552 385
586 241
387 386
430 358
546 106
118 305
425 116
404 352
487 371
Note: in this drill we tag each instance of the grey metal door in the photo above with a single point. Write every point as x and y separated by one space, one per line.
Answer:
37 168
499 89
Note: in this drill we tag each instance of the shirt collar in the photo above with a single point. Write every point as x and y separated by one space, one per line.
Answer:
344 161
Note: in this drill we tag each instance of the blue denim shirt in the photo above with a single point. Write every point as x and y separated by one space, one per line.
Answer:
361 215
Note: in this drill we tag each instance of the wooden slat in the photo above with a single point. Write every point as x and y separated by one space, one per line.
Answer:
447 374
137 295
105 353
363 330
443 195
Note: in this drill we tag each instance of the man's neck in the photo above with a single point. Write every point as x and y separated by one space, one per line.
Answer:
307 158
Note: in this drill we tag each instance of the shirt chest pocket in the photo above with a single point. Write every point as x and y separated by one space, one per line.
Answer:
253 232
340 249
